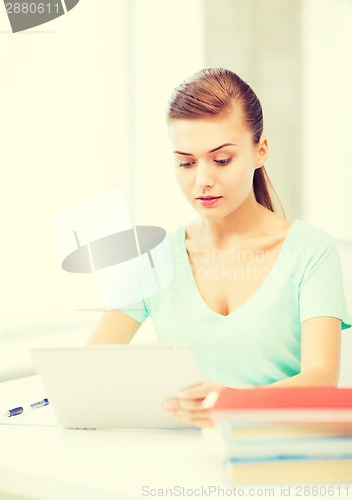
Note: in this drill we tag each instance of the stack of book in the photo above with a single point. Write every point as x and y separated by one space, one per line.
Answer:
286 435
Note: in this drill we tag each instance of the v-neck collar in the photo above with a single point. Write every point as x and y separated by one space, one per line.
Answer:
261 288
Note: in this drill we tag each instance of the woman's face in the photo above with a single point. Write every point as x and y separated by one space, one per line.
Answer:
215 163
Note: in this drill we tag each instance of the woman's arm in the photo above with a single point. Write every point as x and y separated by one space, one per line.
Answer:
114 327
320 365
320 354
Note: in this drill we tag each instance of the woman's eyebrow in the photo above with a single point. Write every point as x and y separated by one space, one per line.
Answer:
222 146
211 151
181 153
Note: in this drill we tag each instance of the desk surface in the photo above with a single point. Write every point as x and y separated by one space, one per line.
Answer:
40 460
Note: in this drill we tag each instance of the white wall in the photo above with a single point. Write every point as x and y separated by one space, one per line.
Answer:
56 148
82 104
327 111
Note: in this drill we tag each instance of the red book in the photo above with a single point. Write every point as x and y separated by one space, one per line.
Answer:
294 404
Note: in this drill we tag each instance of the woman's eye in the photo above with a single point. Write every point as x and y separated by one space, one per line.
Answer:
186 165
224 161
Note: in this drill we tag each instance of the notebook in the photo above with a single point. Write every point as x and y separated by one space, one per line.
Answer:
115 386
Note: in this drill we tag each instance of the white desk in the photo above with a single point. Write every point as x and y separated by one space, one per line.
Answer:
40 460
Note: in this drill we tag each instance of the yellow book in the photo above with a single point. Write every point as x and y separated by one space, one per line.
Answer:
290 471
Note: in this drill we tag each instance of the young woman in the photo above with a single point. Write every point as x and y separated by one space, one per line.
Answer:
259 298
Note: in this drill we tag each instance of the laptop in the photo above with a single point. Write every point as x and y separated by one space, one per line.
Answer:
115 386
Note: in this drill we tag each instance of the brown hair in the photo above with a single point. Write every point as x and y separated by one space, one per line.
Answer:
214 92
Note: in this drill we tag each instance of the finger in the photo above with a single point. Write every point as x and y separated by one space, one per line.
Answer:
199 391
184 404
210 400
171 404
190 414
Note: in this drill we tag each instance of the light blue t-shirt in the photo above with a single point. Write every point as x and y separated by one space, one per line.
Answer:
260 342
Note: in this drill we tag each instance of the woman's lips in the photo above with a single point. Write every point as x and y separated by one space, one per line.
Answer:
209 201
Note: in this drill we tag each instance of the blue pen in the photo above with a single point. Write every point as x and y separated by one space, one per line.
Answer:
14 412
39 404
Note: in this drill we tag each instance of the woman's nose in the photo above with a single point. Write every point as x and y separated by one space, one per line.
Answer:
204 175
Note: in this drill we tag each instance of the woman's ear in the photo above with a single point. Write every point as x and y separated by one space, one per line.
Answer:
262 152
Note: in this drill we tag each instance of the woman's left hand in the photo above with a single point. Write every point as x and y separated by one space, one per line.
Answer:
192 406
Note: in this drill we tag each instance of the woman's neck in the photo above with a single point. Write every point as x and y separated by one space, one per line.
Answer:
249 221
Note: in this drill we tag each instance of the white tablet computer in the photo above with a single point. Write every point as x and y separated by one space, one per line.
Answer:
115 386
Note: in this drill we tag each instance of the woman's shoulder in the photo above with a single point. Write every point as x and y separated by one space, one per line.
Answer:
308 234
176 236
307 245
303 231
